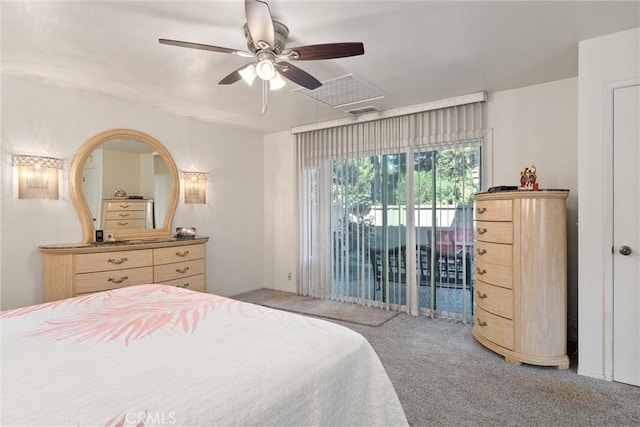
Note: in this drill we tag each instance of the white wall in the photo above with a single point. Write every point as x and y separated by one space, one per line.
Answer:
41 119
602 61
280 223
532 125
538 125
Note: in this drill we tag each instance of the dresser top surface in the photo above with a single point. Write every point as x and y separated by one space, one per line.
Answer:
558 193
122 245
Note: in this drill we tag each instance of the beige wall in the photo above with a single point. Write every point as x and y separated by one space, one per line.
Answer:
122 170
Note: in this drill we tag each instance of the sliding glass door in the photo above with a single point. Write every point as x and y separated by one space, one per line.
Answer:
386 211
368 214
444 184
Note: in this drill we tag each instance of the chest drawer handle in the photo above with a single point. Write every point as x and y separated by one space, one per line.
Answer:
481 251
481 295
481 210
117 261
123 215
481 271
481 230
182 254
482 323
182 270
185 286
124 206
120 280
123 223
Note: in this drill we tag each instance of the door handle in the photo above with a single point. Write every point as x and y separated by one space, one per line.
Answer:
625 250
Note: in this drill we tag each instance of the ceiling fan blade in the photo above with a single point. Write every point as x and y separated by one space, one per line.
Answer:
298 76
206 47
324 51
259 22
232 77
246 72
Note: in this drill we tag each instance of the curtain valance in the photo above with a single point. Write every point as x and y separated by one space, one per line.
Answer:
386 135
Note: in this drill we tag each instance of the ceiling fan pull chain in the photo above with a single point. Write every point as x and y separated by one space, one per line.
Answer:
264 96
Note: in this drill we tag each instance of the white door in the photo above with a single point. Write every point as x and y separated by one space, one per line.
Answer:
626 235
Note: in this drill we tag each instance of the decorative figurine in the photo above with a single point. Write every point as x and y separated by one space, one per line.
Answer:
528 179
119 194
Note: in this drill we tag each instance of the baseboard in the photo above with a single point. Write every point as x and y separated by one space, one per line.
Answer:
586 373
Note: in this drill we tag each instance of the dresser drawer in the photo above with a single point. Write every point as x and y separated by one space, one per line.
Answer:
499 275
494 253
124 205
494 299
194 283
494 210
177 254
124 224
128 215
163 273
496 232
494 328
94 282
107 261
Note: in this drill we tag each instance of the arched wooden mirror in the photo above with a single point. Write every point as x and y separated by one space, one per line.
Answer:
129 160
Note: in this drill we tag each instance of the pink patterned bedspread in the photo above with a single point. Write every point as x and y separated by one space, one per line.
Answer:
155 355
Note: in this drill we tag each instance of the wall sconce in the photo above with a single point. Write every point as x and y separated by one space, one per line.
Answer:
195 187
37 176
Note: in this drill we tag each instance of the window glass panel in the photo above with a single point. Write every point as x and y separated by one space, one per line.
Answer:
444 184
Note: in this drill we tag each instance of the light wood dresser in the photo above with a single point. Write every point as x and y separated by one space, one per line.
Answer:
75 269
521 275
127 214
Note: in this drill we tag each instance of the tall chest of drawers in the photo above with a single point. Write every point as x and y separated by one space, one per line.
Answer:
127 214
521 275
71 270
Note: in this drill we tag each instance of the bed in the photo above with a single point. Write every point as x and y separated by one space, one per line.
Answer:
160 355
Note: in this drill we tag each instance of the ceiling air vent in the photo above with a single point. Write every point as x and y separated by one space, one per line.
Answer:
363 110
342 91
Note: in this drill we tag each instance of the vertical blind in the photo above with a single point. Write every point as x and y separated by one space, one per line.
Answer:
319 173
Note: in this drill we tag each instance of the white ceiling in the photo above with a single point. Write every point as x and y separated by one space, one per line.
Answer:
415 51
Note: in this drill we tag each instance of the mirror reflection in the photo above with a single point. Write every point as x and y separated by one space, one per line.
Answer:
127 186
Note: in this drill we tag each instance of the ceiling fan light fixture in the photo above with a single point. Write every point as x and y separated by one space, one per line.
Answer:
277 82
249 74
266 69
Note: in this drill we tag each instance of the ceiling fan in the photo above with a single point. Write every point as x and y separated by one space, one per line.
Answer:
266 40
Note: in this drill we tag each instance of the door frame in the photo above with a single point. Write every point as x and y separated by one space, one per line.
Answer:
608 139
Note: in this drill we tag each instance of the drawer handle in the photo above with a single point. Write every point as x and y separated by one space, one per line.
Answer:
182 270
182 254
481 295
117 261
123 223
481 251
481 271
185 286
123 215
481 230
481 210
482 323
120 280
124 206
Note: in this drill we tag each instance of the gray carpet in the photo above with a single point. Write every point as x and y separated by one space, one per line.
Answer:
443 377
333 310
